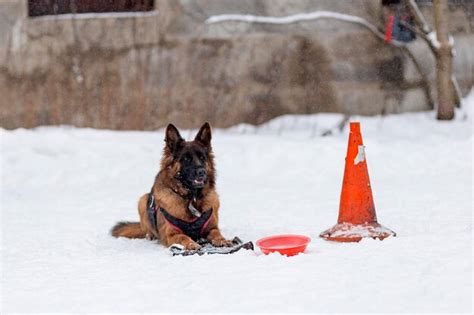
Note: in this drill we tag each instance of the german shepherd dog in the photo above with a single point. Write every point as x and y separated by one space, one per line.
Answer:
183 193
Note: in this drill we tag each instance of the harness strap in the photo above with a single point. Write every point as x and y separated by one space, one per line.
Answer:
151 211
193 229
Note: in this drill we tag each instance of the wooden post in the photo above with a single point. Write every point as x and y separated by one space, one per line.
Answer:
444 62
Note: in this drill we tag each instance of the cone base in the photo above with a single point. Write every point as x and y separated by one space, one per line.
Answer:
348 232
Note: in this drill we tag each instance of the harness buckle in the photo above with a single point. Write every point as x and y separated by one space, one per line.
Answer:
195 212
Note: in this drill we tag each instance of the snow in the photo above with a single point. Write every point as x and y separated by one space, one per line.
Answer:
285 19
62 188
432 37
360 155
349 230
300 17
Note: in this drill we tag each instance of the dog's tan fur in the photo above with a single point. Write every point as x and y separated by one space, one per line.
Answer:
171 194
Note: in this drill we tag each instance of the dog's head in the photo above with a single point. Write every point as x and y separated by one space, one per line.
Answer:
190 162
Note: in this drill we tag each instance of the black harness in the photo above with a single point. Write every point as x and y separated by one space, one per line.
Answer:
194 229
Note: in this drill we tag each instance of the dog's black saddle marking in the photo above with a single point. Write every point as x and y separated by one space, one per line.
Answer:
194 229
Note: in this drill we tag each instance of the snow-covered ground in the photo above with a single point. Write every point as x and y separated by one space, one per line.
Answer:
63 188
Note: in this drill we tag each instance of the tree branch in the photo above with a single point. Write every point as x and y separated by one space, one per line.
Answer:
422 35
418 16
424 77
457 91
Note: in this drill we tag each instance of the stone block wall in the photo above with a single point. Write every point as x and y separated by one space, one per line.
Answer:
143 70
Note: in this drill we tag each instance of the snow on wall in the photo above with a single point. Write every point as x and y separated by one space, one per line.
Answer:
295 18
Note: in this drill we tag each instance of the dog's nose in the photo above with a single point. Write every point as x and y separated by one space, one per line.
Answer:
200 173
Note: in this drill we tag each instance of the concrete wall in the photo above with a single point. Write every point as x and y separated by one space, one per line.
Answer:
143 71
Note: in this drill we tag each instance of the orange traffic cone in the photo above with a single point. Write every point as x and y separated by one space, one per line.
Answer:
357 218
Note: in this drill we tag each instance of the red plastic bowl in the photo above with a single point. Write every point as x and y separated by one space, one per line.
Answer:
288 245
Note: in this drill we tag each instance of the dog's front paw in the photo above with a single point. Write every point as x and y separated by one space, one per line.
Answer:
191 246
221 242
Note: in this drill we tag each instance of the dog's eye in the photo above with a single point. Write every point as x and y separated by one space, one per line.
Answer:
187 158
201 156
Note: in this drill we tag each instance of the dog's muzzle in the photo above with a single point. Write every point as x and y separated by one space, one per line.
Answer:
194 177
200 177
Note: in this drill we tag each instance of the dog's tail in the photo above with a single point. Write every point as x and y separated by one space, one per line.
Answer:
128 229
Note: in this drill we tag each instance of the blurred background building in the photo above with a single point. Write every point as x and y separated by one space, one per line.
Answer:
139 64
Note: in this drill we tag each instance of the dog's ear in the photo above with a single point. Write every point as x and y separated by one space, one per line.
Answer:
173 139
204 135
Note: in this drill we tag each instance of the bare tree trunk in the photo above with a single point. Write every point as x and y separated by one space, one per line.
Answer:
444 62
